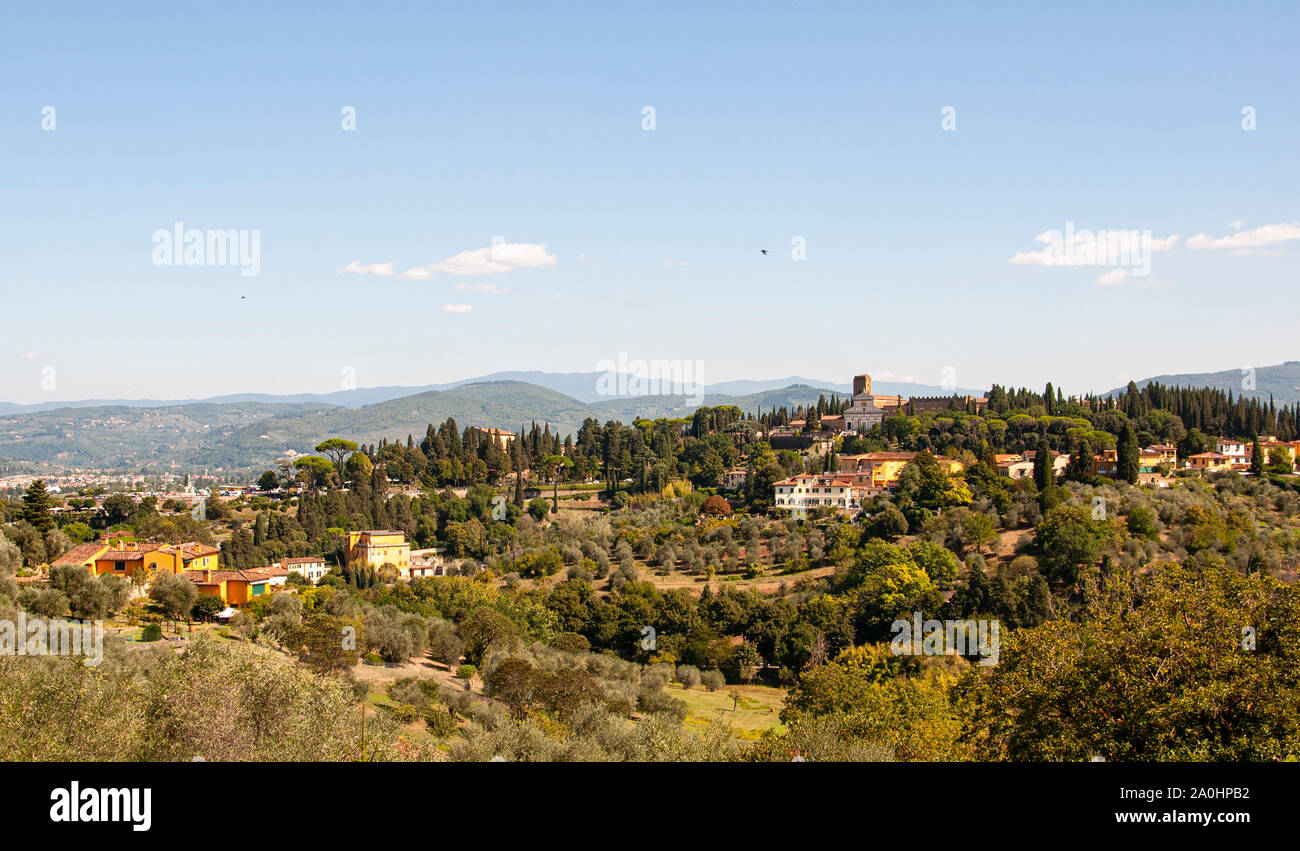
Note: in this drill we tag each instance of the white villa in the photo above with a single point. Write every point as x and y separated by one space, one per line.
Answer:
825 491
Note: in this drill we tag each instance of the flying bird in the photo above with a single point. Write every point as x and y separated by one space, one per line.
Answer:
764 250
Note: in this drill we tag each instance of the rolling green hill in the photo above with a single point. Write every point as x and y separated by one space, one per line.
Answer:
1282 381
248 436
130 438
497 404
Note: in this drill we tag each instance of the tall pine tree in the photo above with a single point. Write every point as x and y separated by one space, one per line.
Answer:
36 507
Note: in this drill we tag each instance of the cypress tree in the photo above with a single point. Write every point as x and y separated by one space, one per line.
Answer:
1128 455
1257 458
1043 465
1080 468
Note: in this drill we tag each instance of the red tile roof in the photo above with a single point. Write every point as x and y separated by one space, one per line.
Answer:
80 554
267 572
214 577
123 555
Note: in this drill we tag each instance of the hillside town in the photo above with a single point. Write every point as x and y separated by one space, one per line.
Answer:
812 439
484 581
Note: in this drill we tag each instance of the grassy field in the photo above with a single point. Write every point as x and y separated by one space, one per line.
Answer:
757 710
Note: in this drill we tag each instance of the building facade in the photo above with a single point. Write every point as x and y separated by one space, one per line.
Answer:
377 547
311 568
126 558
804 492
867 410
501 436
233 587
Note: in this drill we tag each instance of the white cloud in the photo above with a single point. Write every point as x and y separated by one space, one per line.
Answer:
373 269
457 308
496 259
1120 276
28 355
1237 224
1245 239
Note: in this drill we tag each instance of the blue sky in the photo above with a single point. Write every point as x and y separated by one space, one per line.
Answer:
523 123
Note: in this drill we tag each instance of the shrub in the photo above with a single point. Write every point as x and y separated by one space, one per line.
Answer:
245 624
1141 522
571 642
466 672
655 677
404 712
439 722
713 679
539 508
688 676
716 506
151 632
408 690
206 606
651 701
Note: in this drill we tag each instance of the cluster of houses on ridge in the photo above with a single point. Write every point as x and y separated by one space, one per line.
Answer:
199 563
858 479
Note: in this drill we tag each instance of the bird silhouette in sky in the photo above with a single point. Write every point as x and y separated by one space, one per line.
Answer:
764 250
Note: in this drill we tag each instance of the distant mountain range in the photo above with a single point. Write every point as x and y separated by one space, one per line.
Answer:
243 432
580 385
251 435
1281 381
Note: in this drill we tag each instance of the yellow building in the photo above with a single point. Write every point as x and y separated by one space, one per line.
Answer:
178 558
885 467
375 548
1287 448
127 557
1209 461
1167 451
234 587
